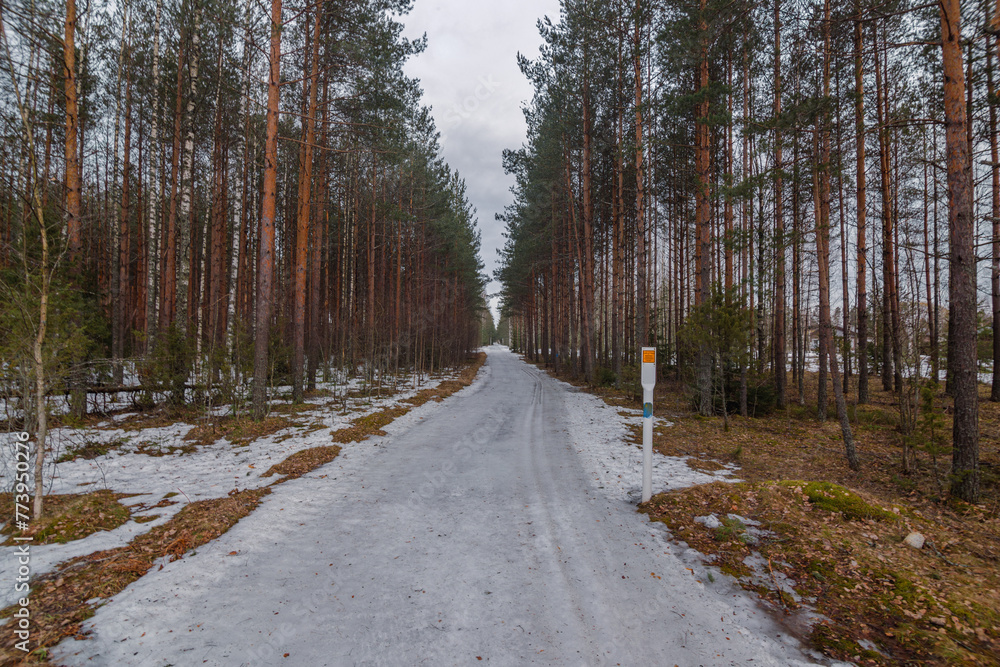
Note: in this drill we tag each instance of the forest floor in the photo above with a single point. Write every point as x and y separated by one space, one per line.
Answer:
814 538
172 480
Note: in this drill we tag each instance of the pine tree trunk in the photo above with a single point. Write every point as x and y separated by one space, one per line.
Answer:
587 250
74 225
727 210
123 306
168 281
780 347
798 329
823 252
316 313
703 211
862 211
844 281
995 223
265 270
821 208
74 182
936 331
617 265
217 268
244 266
152 221
642 309
962 312
118 234
187 214
302 222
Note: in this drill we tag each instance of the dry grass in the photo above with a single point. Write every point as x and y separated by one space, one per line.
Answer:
302 462
369 425
70 517
157 449
238 430
936 606
91 449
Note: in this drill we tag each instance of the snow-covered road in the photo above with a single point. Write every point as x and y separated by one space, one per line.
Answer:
476 531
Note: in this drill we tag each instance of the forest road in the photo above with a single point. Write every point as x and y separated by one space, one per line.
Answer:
471 534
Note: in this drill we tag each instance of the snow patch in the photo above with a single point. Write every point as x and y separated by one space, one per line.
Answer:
599 433
209 472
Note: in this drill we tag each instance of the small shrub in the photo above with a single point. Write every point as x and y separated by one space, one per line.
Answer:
606 377
167 368
91 449
731 530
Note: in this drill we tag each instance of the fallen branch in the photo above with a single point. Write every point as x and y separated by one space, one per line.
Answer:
942 556
777 588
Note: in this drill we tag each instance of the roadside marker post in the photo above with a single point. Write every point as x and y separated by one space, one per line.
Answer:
648 383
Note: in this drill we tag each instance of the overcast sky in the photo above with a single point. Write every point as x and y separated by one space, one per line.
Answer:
470 78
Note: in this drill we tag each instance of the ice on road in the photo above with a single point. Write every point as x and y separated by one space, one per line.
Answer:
476 531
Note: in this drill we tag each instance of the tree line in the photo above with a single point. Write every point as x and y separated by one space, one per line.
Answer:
241 193
742 184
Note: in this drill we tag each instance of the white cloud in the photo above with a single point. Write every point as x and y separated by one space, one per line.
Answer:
471 80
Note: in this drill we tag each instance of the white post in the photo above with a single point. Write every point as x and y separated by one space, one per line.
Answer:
648 383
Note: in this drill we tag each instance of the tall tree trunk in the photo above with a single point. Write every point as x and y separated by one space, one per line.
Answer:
153 220
187 173
962 312
823 252
799 332
845 285
618 262
727 209
302 222
217 267
780 348
821 180
41 405
74 186
703 208
317 314
244 268
120 260
927 259
123 306
887 235
936 331
995 223
642 309
587 263
168 281
370 313
265 269
862 211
